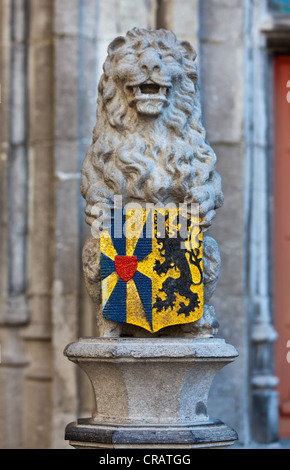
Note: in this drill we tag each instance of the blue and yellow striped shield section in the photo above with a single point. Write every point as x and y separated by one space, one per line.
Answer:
152 275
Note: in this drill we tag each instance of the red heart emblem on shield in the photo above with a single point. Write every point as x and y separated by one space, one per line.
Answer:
126 267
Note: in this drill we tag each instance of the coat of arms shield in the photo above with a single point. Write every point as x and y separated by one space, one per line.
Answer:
152 268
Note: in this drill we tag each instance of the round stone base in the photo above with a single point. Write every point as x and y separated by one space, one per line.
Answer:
85 434
150 392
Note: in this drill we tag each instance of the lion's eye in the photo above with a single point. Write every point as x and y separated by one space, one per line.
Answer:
173 57
125 54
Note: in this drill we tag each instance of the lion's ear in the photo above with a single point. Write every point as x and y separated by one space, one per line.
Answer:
116 44
189 49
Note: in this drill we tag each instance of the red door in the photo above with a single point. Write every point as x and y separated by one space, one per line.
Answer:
281 264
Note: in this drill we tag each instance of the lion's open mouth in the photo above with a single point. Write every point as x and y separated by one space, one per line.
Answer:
149 97
149 91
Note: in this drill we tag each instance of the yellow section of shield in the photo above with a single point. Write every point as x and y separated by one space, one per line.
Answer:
191 244
135 311
107 246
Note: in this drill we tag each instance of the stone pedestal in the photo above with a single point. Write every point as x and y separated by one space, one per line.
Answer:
150 393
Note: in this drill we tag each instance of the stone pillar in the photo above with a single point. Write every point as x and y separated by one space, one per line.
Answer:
151 368
225 131
41 85
67 227
259 93
150 393
39 375
14 313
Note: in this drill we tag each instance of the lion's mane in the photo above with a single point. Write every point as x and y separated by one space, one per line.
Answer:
160 162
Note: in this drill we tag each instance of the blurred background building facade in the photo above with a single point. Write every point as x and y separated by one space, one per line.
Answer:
51 58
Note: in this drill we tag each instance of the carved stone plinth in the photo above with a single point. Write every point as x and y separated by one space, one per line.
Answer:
150 393
149 148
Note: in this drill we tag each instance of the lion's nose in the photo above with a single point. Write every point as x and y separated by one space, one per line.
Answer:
150 62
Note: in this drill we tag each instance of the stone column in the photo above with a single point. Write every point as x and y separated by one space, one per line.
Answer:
264 399
222 96
39 376
151 368
150 393
14 313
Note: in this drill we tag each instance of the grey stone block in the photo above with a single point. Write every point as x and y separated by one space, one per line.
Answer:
214 435
184 20
41 96
150 392
215 15
18 95
222 92
66 88
89 18
42 209
229 400
66 17
265 418
41 24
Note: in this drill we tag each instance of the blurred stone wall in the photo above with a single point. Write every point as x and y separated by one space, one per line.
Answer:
51 58
223 87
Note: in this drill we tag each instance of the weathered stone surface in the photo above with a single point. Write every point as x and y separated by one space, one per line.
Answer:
150 386
42 20
223 118
132 125
149 382
223 92
39 393
227 400
214 17
135 349
66 118
41 97
212 435
98 24
184 21
66 17
40 222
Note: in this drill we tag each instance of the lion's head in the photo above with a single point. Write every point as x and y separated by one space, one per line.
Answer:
148 74
149 143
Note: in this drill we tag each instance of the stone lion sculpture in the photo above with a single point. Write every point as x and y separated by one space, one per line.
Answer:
149 146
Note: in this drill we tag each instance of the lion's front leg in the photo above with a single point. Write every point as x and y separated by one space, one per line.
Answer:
211 267
204 201
100 200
